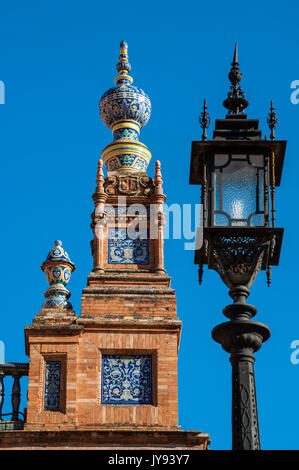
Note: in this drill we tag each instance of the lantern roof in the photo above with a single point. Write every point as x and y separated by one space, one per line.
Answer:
235 133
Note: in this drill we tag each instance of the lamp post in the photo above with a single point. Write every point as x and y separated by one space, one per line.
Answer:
238 172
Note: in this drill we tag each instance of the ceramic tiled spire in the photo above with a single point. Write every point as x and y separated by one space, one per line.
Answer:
125 109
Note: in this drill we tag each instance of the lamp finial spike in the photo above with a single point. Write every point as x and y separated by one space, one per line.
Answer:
235 102
235 59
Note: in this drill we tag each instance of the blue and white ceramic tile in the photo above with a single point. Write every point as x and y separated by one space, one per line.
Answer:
123 250
122 210
52 386
127 379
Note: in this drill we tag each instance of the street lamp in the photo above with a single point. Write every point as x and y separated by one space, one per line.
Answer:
238 172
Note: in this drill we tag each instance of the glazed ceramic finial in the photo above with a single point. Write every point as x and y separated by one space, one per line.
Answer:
123 67
125 109
58 268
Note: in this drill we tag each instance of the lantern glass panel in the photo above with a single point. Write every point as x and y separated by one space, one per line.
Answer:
238 183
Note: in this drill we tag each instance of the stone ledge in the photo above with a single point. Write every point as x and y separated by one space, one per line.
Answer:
129 273
128 290
128 278
104 439
54 316
72 329
120 322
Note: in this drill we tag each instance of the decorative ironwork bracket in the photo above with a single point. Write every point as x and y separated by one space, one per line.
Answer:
238 254
238 259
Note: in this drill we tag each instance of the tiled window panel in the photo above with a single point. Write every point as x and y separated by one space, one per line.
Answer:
127 379
52 386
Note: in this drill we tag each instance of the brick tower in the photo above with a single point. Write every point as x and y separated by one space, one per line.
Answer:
108 378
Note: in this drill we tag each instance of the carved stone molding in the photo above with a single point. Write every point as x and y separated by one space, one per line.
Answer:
130 185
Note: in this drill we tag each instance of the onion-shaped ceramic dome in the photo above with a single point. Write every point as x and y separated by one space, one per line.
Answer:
125 109
125 102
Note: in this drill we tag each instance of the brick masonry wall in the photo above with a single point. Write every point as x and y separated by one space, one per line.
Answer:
50 347
148 306
81 356
162 346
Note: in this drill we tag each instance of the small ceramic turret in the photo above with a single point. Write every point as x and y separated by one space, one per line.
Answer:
58 268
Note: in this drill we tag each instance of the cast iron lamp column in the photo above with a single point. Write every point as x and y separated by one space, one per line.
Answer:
238 172
241 336
238 257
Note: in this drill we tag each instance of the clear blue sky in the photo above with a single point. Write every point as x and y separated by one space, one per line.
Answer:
56 60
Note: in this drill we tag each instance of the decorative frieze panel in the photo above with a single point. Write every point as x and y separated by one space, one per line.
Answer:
138 185
132 210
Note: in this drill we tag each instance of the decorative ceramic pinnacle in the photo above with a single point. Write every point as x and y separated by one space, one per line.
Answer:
125 109
272 121
204 120
123 67
58 268
235 102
